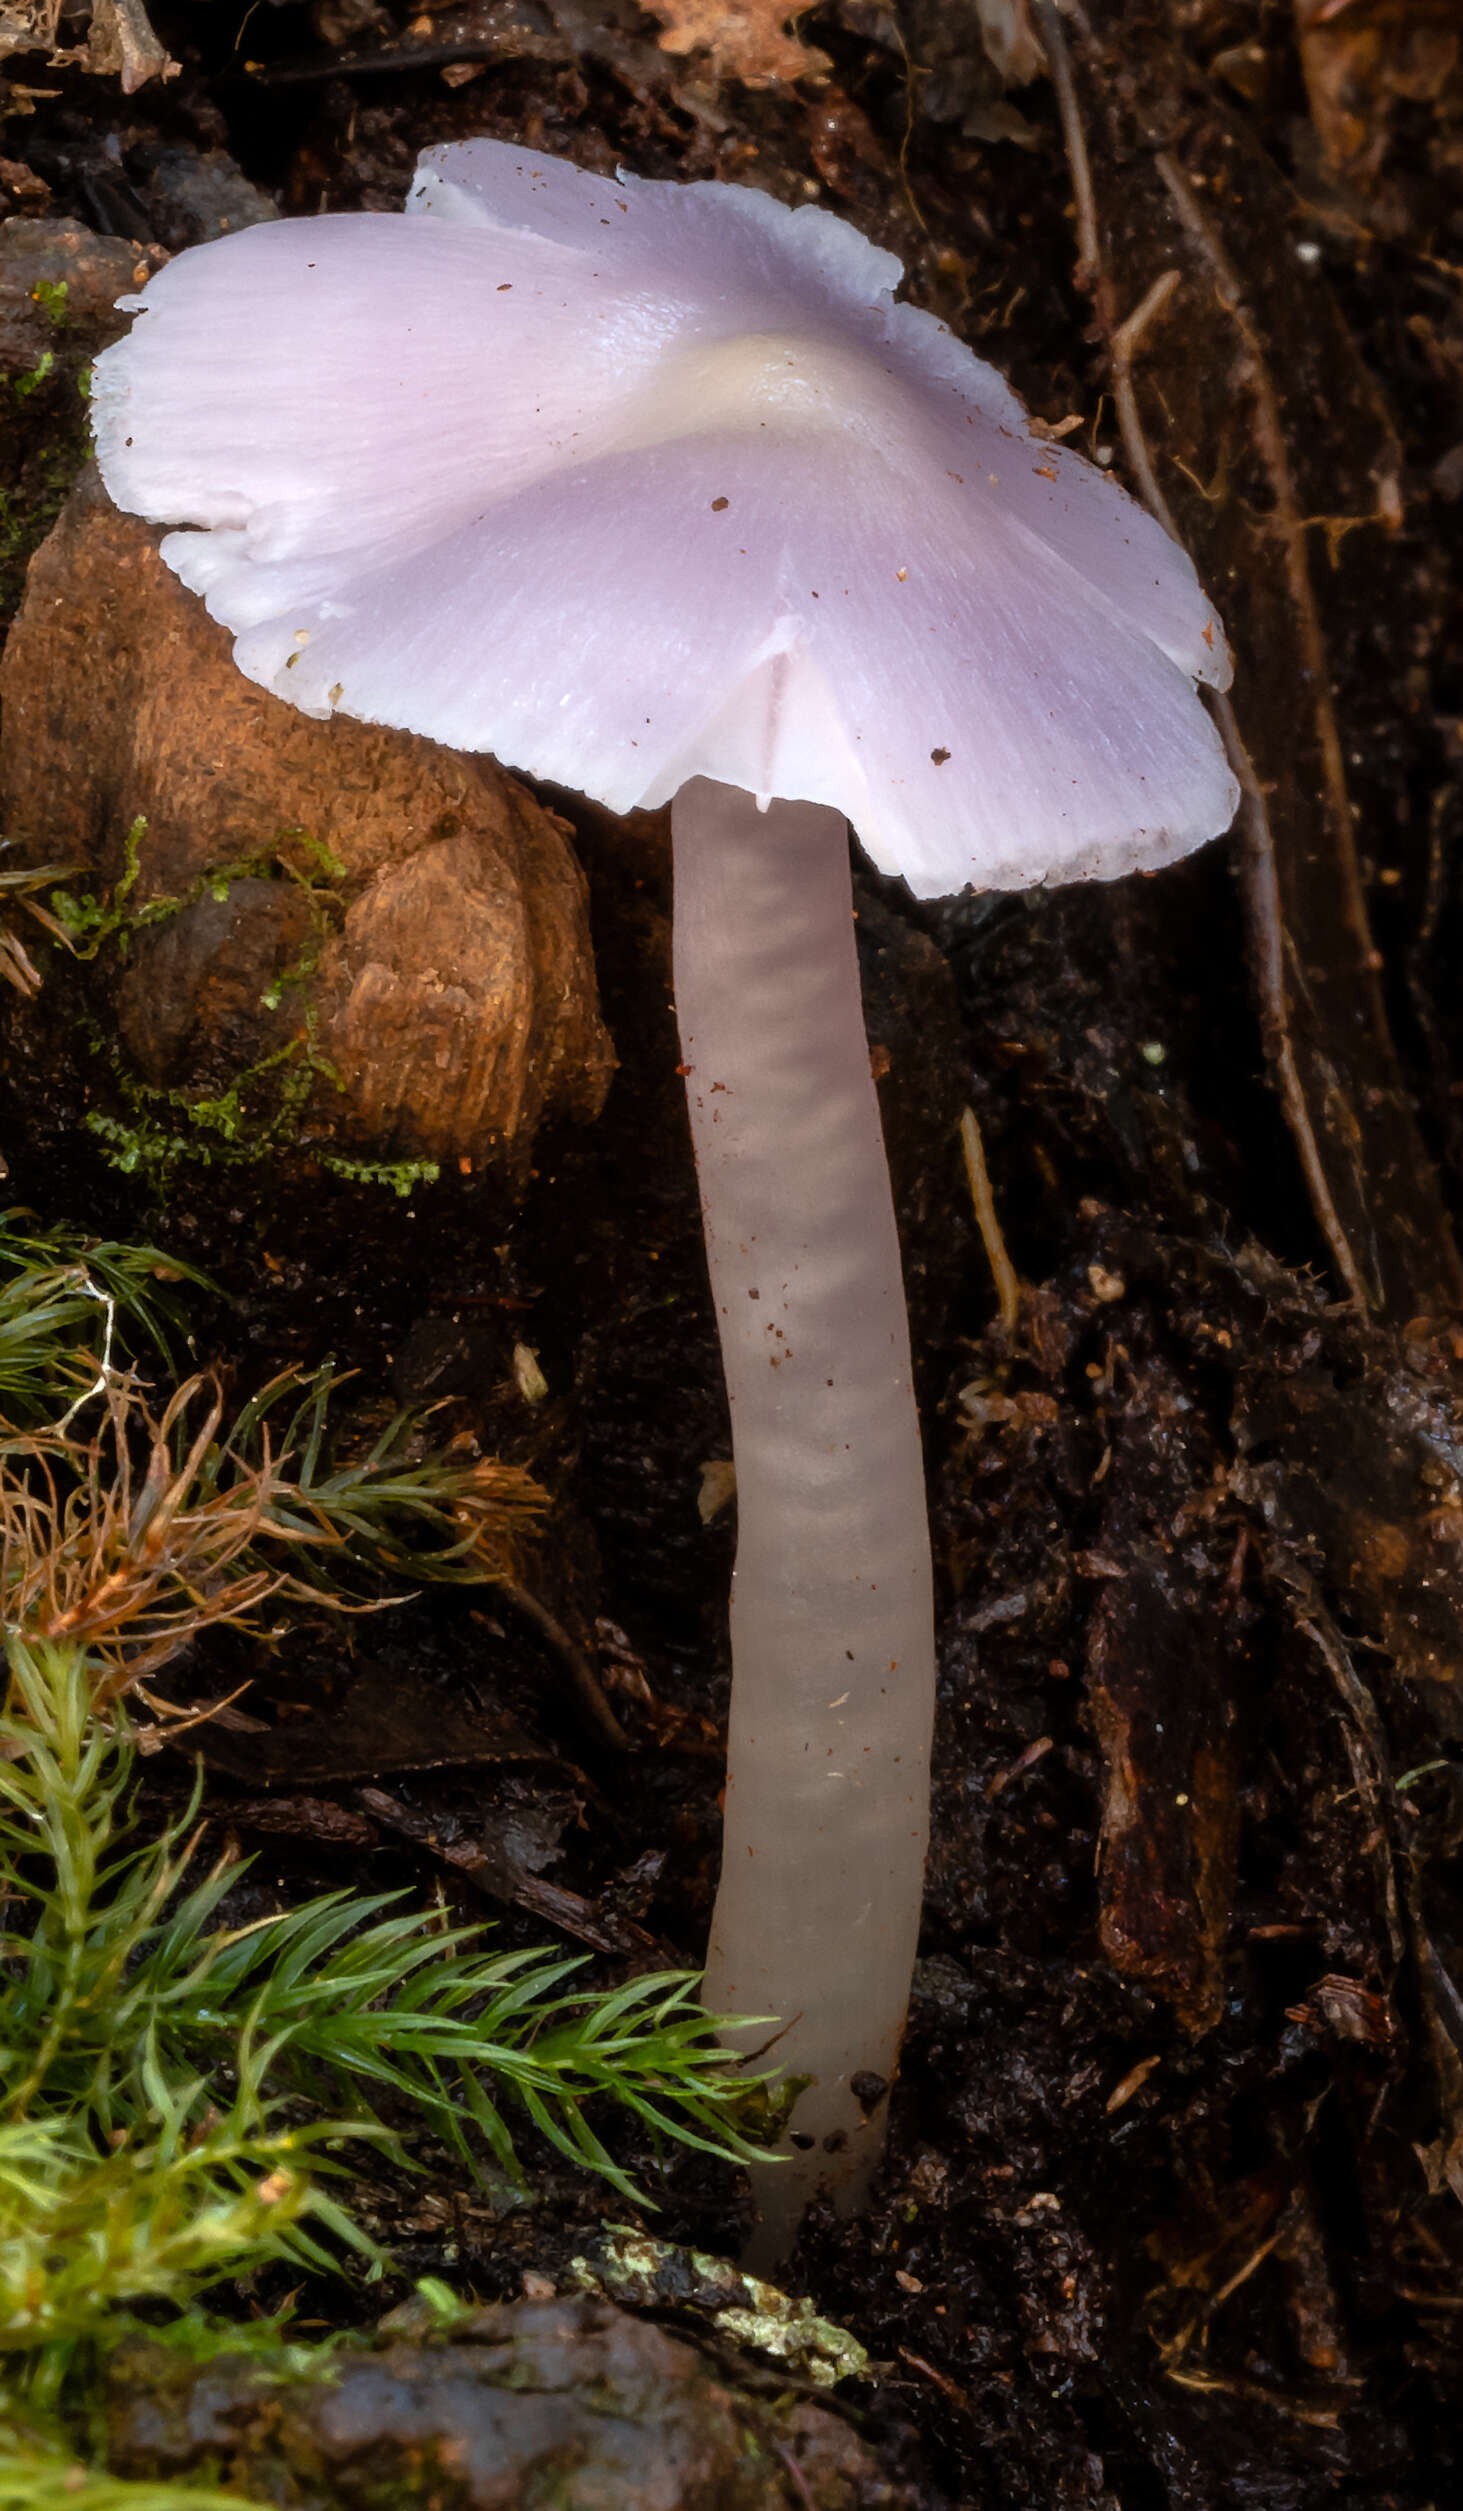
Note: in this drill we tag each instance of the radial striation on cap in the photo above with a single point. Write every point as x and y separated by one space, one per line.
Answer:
629 482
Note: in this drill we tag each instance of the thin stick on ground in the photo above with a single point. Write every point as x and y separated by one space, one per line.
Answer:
1003 1271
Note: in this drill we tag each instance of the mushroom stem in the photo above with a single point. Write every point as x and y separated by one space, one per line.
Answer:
817 1916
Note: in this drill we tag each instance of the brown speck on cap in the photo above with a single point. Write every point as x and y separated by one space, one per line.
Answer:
1053 581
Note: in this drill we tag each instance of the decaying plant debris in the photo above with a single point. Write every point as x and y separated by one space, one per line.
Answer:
1174 2210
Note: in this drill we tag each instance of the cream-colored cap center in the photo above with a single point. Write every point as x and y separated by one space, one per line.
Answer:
773 380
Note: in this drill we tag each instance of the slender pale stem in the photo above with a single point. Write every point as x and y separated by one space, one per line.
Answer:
817 1915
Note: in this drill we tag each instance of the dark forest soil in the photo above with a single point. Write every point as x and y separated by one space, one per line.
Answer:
1173 2211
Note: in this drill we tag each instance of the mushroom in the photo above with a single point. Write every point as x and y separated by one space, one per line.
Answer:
655 491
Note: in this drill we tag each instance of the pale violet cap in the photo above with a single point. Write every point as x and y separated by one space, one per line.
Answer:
629 482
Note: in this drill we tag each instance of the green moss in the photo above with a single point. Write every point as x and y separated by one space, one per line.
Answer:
259 1113
181 2095
35 2478
256 1114
400 1175
261 1109
53 298
90 922
42 445
24 385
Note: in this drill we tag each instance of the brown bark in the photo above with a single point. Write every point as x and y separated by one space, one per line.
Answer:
412 919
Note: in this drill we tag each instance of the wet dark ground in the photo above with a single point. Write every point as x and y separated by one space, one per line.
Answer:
1172 2209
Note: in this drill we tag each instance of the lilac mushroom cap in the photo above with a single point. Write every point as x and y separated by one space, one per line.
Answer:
630 482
